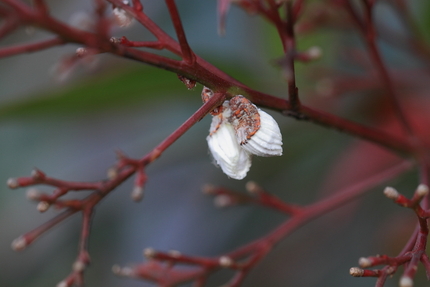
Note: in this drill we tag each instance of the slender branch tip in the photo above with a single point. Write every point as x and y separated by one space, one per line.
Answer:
422 190
149 252
406 281
364 262
391 192
79 266
43 206
356 272
19 244
12 183
251 187
225 261
137 193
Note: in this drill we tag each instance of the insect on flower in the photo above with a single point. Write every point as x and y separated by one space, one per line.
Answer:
238 130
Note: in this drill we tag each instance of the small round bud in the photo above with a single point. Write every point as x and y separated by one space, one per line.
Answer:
314 53
43 206
80 52
175 253
112 173
122 18
126 271
78 266
225 261
149 252
19 244
406 281
115 40
325 87
222 200
137 193
251 187
37 174
356 272
390 192
33 194
208 189
364 262
12 183
62 284
422 190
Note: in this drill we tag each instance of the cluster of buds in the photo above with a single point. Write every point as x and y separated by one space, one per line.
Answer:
238 130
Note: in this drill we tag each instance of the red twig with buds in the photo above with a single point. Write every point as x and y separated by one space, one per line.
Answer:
192 69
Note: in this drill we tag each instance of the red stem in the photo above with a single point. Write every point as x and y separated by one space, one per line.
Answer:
30 47
187 53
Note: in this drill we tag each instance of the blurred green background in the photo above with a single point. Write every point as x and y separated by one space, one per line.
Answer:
70 129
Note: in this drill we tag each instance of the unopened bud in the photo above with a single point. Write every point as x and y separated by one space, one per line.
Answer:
37 174
175 253
62 284
314 53
356 272
137 193
33 194
149 252
19 244
43 206
12 183
364 262
251 187
80 52
115 40
391 193
222 200
406 281
78 266
422 190
225 261
112 173
122 18
125 271
208 189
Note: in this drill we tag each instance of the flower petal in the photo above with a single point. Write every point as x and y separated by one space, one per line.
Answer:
267 141
228 154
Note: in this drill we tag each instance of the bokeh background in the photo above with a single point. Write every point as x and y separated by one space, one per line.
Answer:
70 124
